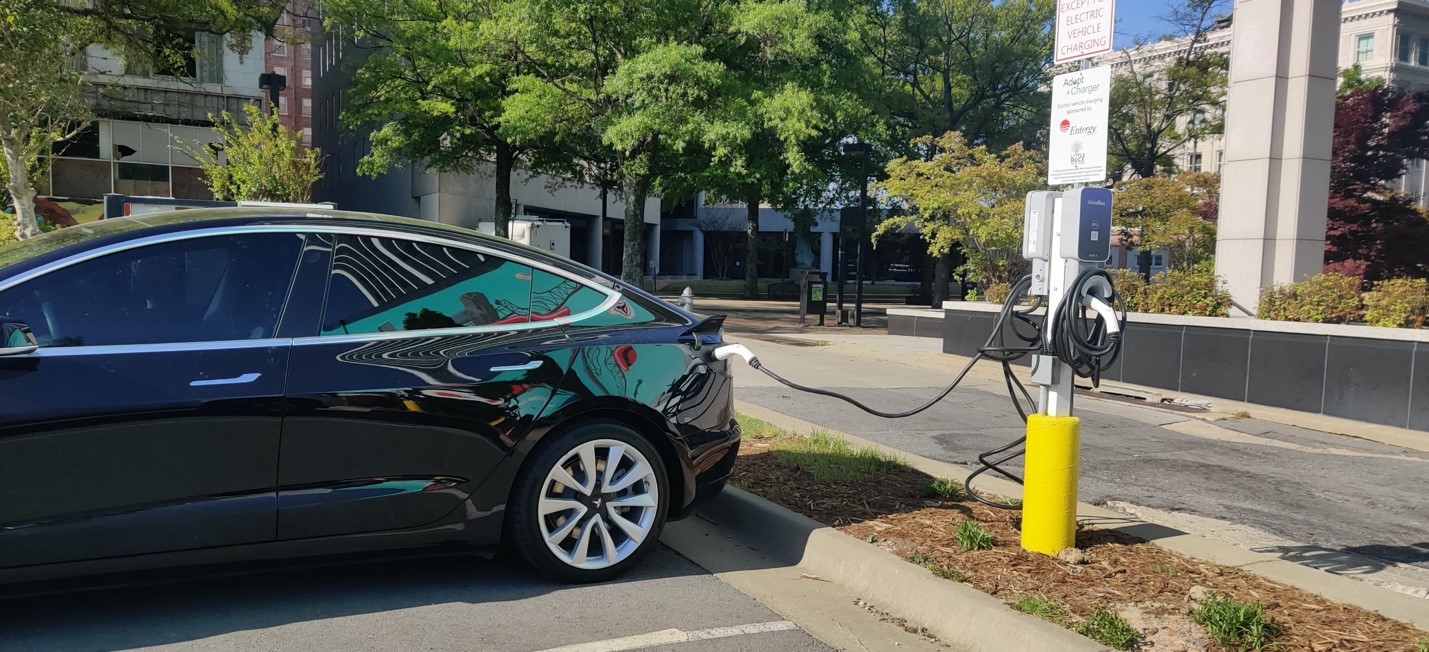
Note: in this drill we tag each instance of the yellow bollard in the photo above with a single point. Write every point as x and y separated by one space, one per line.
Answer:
1049 495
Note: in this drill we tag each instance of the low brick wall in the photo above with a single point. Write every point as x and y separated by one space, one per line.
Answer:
1356 372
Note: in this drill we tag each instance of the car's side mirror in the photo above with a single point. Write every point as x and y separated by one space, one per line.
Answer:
16 338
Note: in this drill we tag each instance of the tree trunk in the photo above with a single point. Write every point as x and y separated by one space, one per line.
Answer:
632 262
22 192
941 270
505 160
751 250
1143 263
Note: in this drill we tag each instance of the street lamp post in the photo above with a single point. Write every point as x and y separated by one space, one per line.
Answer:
274 83
865 150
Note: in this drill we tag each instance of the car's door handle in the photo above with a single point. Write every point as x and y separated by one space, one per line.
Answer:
517 367
236 380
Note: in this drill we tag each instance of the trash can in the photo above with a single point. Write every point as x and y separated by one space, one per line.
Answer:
813 295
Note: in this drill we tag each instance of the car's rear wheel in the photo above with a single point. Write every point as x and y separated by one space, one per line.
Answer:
591 503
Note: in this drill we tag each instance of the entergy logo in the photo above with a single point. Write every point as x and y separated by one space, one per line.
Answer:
1066 125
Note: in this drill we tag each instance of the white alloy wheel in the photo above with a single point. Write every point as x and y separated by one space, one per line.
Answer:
598 503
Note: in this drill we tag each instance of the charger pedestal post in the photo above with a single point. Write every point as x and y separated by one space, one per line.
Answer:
1061 245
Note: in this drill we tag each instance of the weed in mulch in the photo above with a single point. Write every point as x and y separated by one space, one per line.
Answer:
1109 629
1235 624
944 490
1043 608
1424 644
888 504
972 536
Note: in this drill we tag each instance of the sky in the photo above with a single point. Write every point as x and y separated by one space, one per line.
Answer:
1139 18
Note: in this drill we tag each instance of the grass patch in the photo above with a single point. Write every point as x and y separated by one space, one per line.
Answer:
752 428
1235 624
1109 629
1424 644
831 459
1167 569
1043 608
973 536
944 490
1241 415
950 573
928 562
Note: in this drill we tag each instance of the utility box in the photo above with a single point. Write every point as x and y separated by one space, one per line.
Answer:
552 235
813 295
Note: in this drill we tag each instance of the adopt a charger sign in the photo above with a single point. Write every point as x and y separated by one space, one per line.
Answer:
1077 151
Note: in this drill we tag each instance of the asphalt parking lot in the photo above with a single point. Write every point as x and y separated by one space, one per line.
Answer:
667 603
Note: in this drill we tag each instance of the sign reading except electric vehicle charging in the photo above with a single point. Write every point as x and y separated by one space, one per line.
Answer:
1084 29
1076 151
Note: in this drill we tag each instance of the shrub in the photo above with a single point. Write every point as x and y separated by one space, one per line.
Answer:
7 228
1236 625
1195 291
1131 286
997 292
1321 299
1397 303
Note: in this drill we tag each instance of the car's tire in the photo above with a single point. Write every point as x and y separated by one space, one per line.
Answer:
557 505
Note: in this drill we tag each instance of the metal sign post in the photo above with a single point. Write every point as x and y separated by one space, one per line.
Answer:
1059 246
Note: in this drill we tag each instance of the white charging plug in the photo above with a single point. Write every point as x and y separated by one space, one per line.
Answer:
1105 311
730 350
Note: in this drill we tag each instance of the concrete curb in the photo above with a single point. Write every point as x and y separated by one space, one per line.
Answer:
1398 606
959 615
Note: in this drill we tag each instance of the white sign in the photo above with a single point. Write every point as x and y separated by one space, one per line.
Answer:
1076 151
1084 29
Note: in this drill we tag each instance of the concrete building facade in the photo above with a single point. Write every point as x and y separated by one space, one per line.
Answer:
146 116
1386 38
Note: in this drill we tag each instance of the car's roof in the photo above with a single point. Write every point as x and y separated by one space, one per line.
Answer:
68 241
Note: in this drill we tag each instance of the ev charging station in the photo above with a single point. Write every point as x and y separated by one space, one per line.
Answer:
1067 238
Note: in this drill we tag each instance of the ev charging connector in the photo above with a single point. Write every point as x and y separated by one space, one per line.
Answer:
1079 223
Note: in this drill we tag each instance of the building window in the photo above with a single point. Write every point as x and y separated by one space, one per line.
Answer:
307 107
1423 58
307 79
307 135
1157 260
280 49
1406 47
281 70
1194 162
1220 160
1198 119
306 52
282 105
1364 48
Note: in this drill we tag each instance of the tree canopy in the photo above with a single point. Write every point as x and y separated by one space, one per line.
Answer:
960 193
1373 231
1168 212
260 160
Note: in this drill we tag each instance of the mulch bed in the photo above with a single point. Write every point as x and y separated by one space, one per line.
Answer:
1148 585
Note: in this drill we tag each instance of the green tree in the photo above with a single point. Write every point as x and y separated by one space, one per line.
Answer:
966 194
1158 106
1166 213
976 67
632 85
1352 79
41 91
259 161
430 90
41 98
795 96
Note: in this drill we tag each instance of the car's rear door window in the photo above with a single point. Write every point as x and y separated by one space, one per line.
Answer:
205 289
388 284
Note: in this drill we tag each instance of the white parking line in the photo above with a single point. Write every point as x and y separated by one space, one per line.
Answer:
669 636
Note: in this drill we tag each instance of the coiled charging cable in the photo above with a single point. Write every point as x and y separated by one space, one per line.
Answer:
1087 344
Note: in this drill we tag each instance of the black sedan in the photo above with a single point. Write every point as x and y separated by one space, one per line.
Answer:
236 384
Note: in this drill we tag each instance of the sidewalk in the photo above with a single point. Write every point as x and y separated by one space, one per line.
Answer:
1347 506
